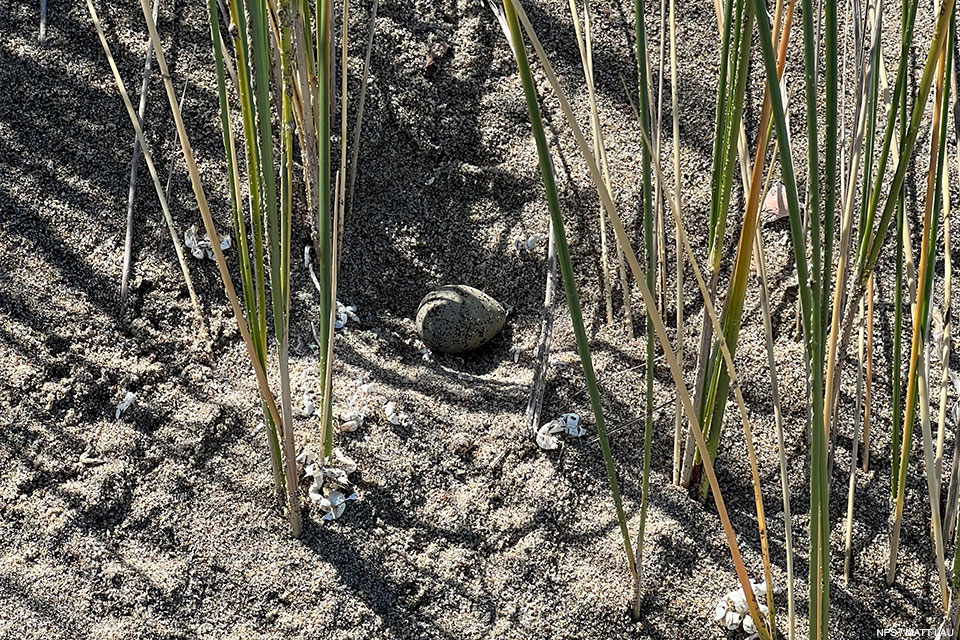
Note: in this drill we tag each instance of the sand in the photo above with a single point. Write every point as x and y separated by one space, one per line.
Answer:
464 529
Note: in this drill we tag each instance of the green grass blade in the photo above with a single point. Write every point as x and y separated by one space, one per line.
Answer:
566 269
324 213
243 250
644 109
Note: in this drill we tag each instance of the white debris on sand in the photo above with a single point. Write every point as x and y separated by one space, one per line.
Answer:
125 403
568 424
733 614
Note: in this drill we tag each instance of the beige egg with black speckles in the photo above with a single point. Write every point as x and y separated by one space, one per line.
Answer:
458 318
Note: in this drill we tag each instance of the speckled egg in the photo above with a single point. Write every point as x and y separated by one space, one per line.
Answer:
457 318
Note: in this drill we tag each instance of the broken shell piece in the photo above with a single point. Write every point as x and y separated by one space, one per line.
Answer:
529 244
337 476
350 422
393 416
731 620
125 403
733 613
759 589
334 504
361 389
88 459
309 464
306 457
345 313
316 491
331 488
192 242
720 612
533 241
331 501
571 423
343 461
576 431
775 204
545 440
568 423
203 246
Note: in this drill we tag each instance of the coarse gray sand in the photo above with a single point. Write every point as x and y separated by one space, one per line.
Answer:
464 529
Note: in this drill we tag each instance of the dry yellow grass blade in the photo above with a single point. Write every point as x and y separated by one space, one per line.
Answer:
656 321
295 523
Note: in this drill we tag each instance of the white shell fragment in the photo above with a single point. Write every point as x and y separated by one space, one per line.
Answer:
331 488
350 421
334 504
344 461
529 244
362 389
568 424
345 313
394 416
546 440
749 626
203 246
125 403
306 457
571 424
720 612
733 614
308 463
732 620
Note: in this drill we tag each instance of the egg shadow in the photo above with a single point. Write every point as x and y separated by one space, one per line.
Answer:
482 360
